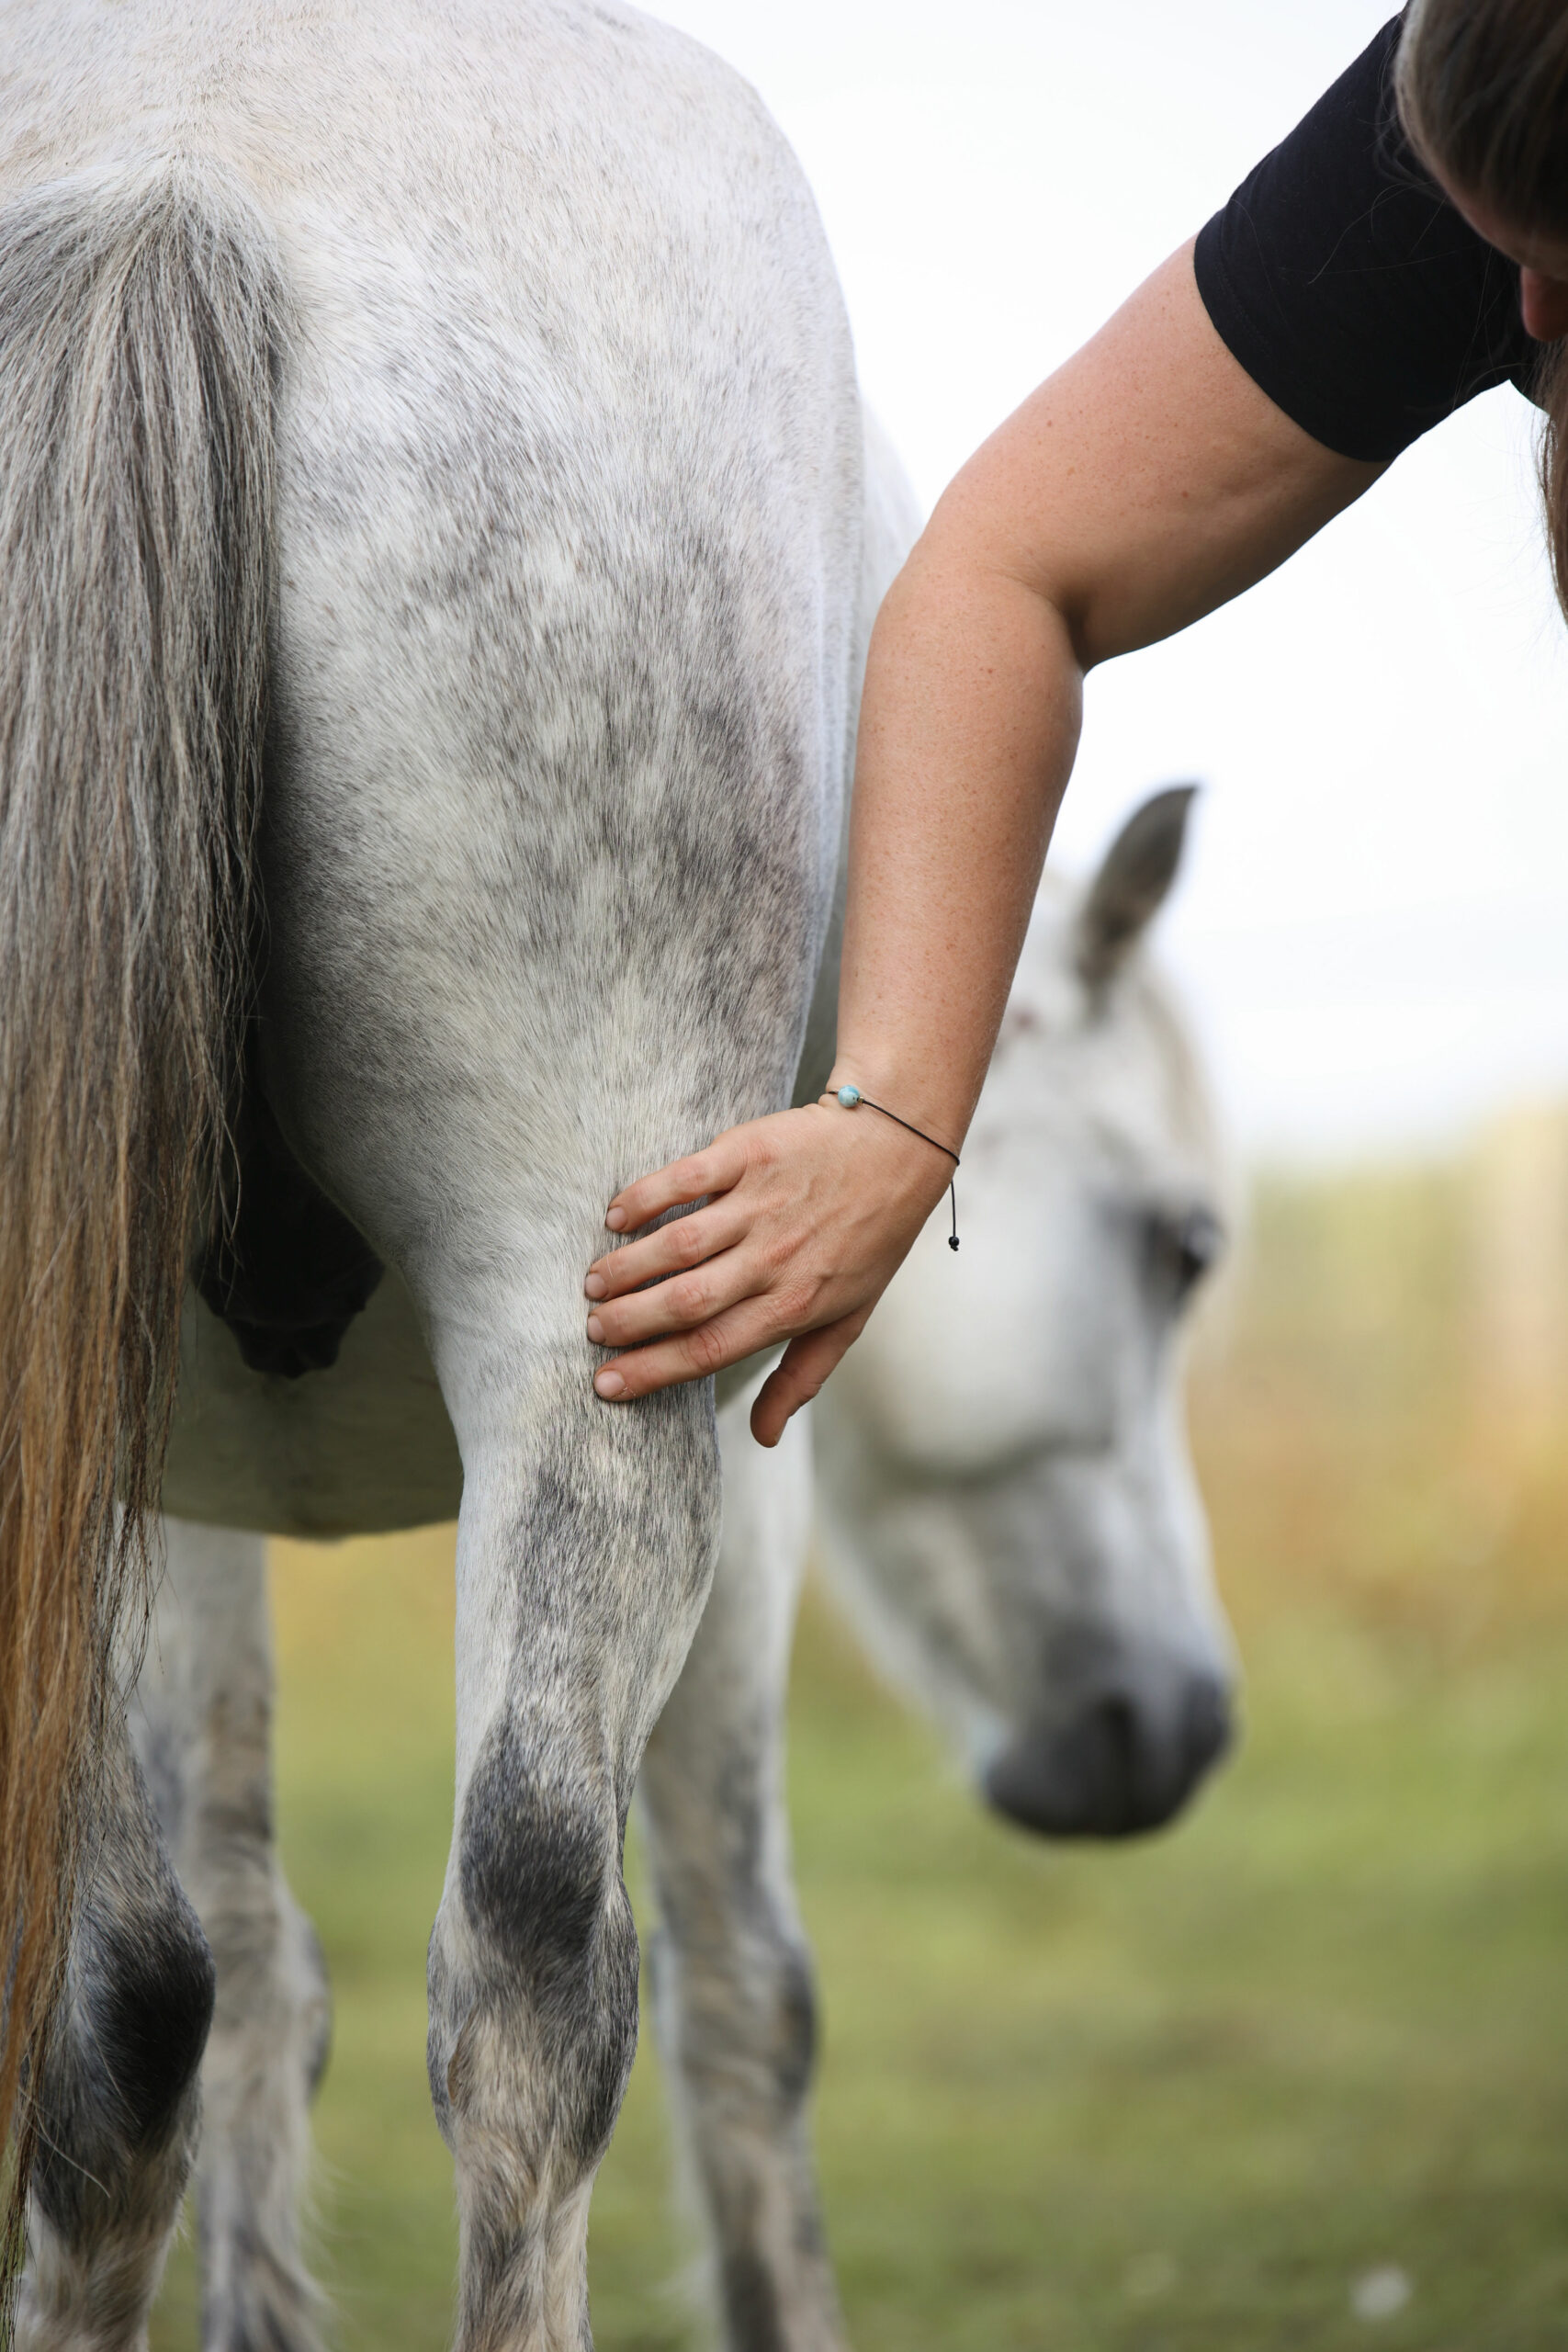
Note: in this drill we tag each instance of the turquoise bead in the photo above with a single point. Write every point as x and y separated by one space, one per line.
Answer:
849 1096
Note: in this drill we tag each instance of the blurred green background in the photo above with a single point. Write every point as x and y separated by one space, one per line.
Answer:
1295 2074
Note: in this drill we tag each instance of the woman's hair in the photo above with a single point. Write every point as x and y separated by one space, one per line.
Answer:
1483 91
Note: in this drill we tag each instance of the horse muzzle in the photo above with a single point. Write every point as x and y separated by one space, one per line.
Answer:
1122 1763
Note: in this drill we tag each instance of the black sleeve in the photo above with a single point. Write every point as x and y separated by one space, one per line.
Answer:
1349 287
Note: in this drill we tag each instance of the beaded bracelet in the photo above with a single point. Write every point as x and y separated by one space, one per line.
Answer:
851 1098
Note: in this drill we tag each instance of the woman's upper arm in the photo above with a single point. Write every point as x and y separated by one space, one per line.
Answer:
1147 481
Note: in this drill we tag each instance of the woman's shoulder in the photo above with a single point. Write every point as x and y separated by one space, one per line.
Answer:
1348 285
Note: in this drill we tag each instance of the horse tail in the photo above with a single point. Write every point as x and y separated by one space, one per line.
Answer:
141 323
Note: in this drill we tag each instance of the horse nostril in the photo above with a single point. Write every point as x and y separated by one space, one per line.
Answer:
1081 1779
1113 1731
1115 1768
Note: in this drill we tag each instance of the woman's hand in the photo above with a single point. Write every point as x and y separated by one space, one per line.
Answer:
1149 480
806 1216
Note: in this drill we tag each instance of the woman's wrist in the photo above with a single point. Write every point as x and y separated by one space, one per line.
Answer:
915 1163
913 1098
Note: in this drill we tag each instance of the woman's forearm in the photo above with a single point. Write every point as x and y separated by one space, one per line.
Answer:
968 731
1143 483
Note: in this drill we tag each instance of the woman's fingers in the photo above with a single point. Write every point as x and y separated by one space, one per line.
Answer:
807 1216
796 1380
678 1304
744 1331
685 1242
712 1170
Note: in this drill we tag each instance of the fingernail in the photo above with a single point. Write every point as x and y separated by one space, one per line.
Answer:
595 1287
596 1330
609 1382
616 1219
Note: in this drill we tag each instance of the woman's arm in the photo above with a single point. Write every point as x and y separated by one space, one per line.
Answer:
1144 484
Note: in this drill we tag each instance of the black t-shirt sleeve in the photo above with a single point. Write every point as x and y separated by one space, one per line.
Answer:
1349 287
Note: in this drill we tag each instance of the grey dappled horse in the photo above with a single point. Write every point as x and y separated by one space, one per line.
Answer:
1005 1492
447 423
464 396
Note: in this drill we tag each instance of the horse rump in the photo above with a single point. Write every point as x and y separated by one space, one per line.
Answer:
141 331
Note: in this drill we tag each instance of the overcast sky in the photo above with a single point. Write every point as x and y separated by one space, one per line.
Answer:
1373 930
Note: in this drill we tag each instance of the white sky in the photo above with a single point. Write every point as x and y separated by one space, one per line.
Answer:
1373 929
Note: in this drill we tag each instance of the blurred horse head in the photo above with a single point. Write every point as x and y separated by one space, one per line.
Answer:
1007 1498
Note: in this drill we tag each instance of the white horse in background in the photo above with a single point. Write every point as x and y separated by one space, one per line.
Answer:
1006 1501
438 431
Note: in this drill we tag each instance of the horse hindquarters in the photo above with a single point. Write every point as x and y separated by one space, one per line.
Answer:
587 1531
560 714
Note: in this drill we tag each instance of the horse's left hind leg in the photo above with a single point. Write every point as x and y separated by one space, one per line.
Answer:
204 1727
116 2098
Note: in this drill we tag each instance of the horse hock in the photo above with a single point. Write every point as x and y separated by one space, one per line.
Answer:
117 2099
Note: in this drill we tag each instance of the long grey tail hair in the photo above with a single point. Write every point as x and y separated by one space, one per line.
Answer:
141 325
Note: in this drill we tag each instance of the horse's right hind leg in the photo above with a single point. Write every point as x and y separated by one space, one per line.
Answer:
204 1727
116 2098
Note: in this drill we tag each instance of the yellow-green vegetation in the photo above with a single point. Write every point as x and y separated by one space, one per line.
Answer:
1188 2095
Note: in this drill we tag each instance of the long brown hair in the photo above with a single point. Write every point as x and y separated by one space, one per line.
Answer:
138 328
1483 90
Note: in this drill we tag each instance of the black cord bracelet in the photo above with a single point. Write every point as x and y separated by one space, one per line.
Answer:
851 1098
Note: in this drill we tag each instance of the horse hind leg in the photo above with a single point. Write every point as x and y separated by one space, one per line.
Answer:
732 1981
117 2099
584 1548
203 1723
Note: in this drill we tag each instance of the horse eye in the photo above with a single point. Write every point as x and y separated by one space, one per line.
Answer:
1185 1247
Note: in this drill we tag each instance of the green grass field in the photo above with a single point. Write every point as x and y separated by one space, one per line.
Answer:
1181 2096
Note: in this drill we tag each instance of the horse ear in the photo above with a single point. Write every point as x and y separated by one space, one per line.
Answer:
1131 886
